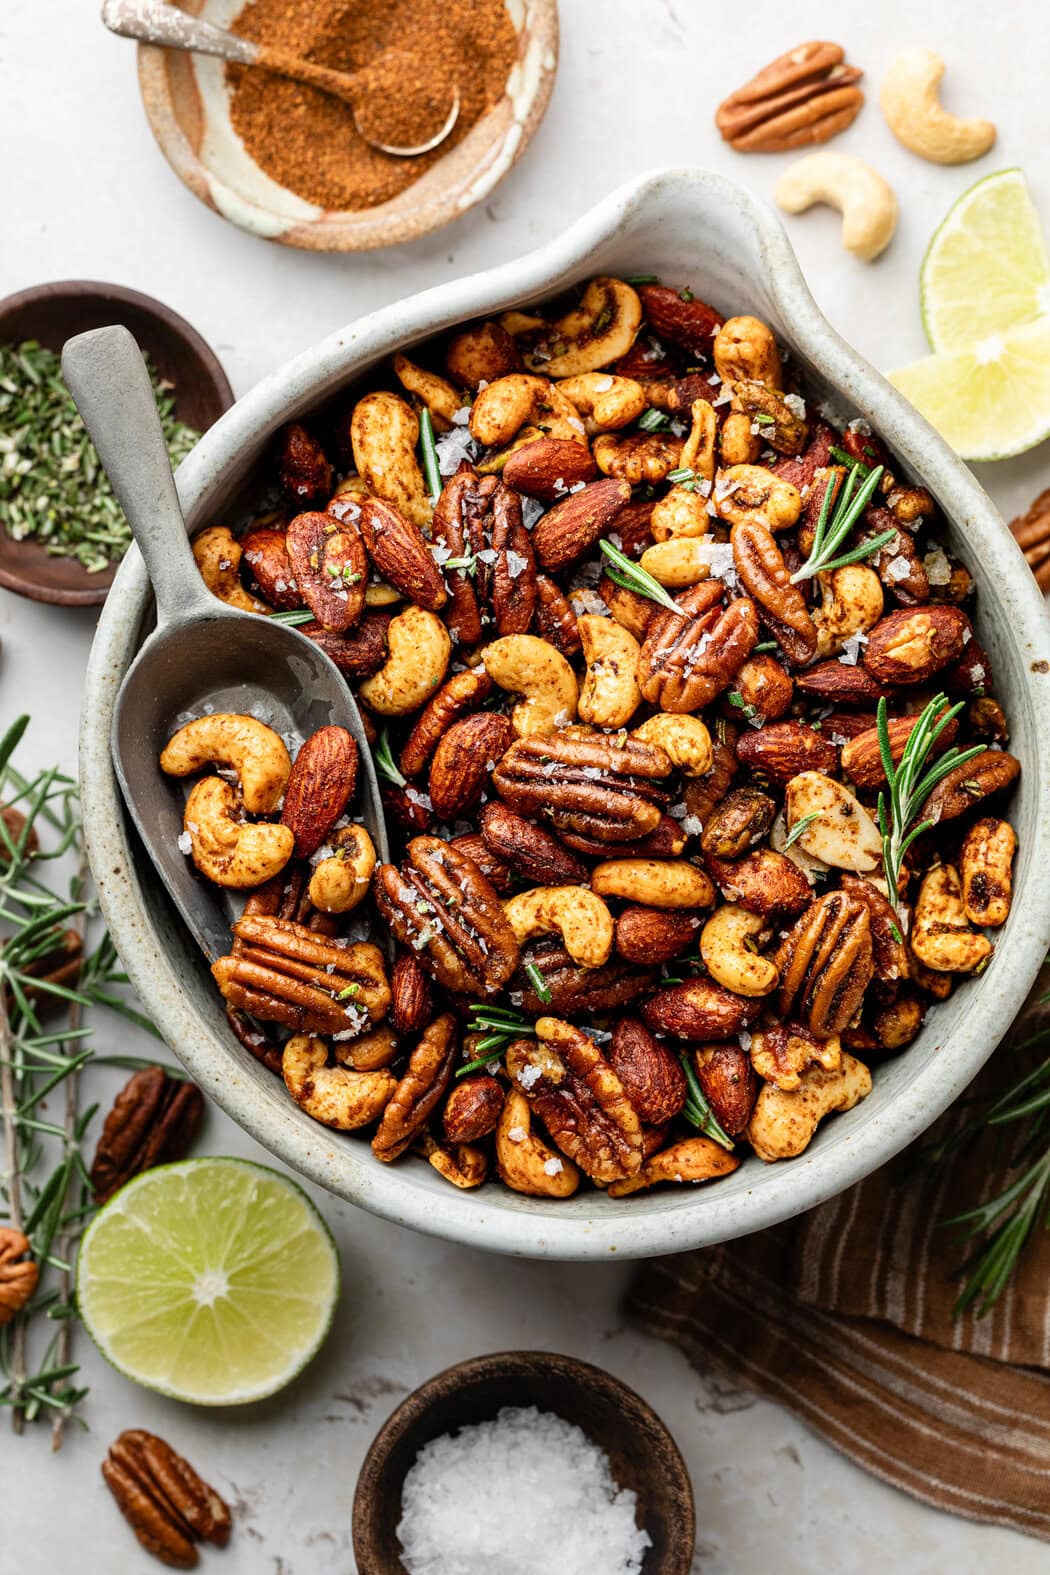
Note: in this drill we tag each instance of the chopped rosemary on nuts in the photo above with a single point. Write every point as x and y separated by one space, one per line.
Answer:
653 420
539 983
385 764
799 827
697 1109
431 468
293 618
632 577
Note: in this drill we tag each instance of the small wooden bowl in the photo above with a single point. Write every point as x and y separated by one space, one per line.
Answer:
53 313
187 105
642 1454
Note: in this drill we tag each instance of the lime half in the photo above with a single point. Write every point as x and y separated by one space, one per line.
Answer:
990 401
986 269
212 1281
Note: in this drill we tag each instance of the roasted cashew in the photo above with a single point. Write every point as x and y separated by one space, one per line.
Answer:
914 114
866 201
606 403
852 603
460 1163
986 866
783 1122
529 666
676 563
384 432
783 1054
843 835
440 398
520 402
230 851
941 937
524 1162
744 348
481 354
752 493
737 444
217 553
684 739
341 881
725 943
370 1051
610 695
333 1095
654 883
683 512
594 334
691 1159
581 919
226 738
420 649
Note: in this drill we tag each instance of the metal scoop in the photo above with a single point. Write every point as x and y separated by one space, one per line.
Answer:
203 656
155 22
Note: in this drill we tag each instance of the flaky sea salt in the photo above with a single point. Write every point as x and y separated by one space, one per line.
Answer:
527 1494
185 842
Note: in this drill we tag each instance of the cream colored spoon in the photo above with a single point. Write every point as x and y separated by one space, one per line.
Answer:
154 22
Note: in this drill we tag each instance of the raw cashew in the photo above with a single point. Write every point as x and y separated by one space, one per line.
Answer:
783 1122
866 201
683 512
340 882
440 398
750 492
503 409
610 695
744 348
529 666
217 553
725 943
524 1162
852 602
582 919
607 403
913 112
420 649
684 739
692 1159
334 1095
226 849
598 331
941 937
843 835
384 431
228 739
678 562
655 883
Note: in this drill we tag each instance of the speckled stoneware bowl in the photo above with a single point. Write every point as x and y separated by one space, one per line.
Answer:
187 104
681 224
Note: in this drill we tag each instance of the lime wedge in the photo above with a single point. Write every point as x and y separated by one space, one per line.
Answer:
990 401
986 269
212 1281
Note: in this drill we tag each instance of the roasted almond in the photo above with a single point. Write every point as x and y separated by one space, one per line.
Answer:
549 468
330 568
969 784
463 760
680 317
572 527
303 469
728 1080
862 757
910 645
651 1075
536 854
410 995
783 749
399 551
654 935
699 1009
320 786
266 553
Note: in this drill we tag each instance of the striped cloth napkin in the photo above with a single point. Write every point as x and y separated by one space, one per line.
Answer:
844 1316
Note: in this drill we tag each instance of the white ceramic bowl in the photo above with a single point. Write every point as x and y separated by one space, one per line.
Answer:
681 224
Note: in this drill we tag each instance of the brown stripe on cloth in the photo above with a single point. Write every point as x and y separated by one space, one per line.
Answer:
844 1316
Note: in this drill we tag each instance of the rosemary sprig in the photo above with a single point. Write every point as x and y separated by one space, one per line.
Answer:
842 457
910 782
642 278
385 763
698 1110
632 577
293 617
428 449
835 523
539 983
799 827
498 1027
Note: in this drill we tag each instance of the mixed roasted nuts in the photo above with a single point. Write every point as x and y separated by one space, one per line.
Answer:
693 757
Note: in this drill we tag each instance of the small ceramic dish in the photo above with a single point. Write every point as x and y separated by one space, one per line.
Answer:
187 104
642 1454
53 313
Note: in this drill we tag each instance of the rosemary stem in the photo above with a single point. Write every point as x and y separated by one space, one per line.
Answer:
13 1179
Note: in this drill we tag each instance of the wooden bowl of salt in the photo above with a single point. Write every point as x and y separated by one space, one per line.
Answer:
641 1454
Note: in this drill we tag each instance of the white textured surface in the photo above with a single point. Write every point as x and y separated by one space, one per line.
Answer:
87 194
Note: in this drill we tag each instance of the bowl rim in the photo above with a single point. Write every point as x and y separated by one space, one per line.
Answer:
545 1230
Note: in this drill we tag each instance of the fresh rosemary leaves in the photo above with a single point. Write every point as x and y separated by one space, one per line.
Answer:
835 523
428 449
697 1109
632 577
498 1027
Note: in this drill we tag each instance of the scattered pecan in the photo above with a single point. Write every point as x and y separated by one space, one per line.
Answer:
596 785
479 525
970 784
699 1009
781 605
254 1040
459 696
319 787
742 818
472 1109
330 568
783 749
907 580
534 853
154 1121
166 1504
410 995
728 1080
358 653
579 992
666 841
304 473
284 972
651 1076
703 794
399 551
1031 531
420 1090
442 906
14 824
579 1099
688 658
18 1274
805 96
555 618
60 965
825 963
888 951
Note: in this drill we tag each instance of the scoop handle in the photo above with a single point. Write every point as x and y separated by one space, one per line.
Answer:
105 373
154 22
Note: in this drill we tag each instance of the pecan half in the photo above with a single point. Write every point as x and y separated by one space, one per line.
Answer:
595 785
420 1090
804 96
154 1121
579 1099
358 653
330 568
319 787
463 759
970 784
283 972
533 852
1031 531
459 696
888 951
782 606
555 618
442 906
825 963
18 1274
572 991
650 1073
688 658
763 881
304 473
728 1079
400 553
166 1504
704 794
410 996
478 523
699 1009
